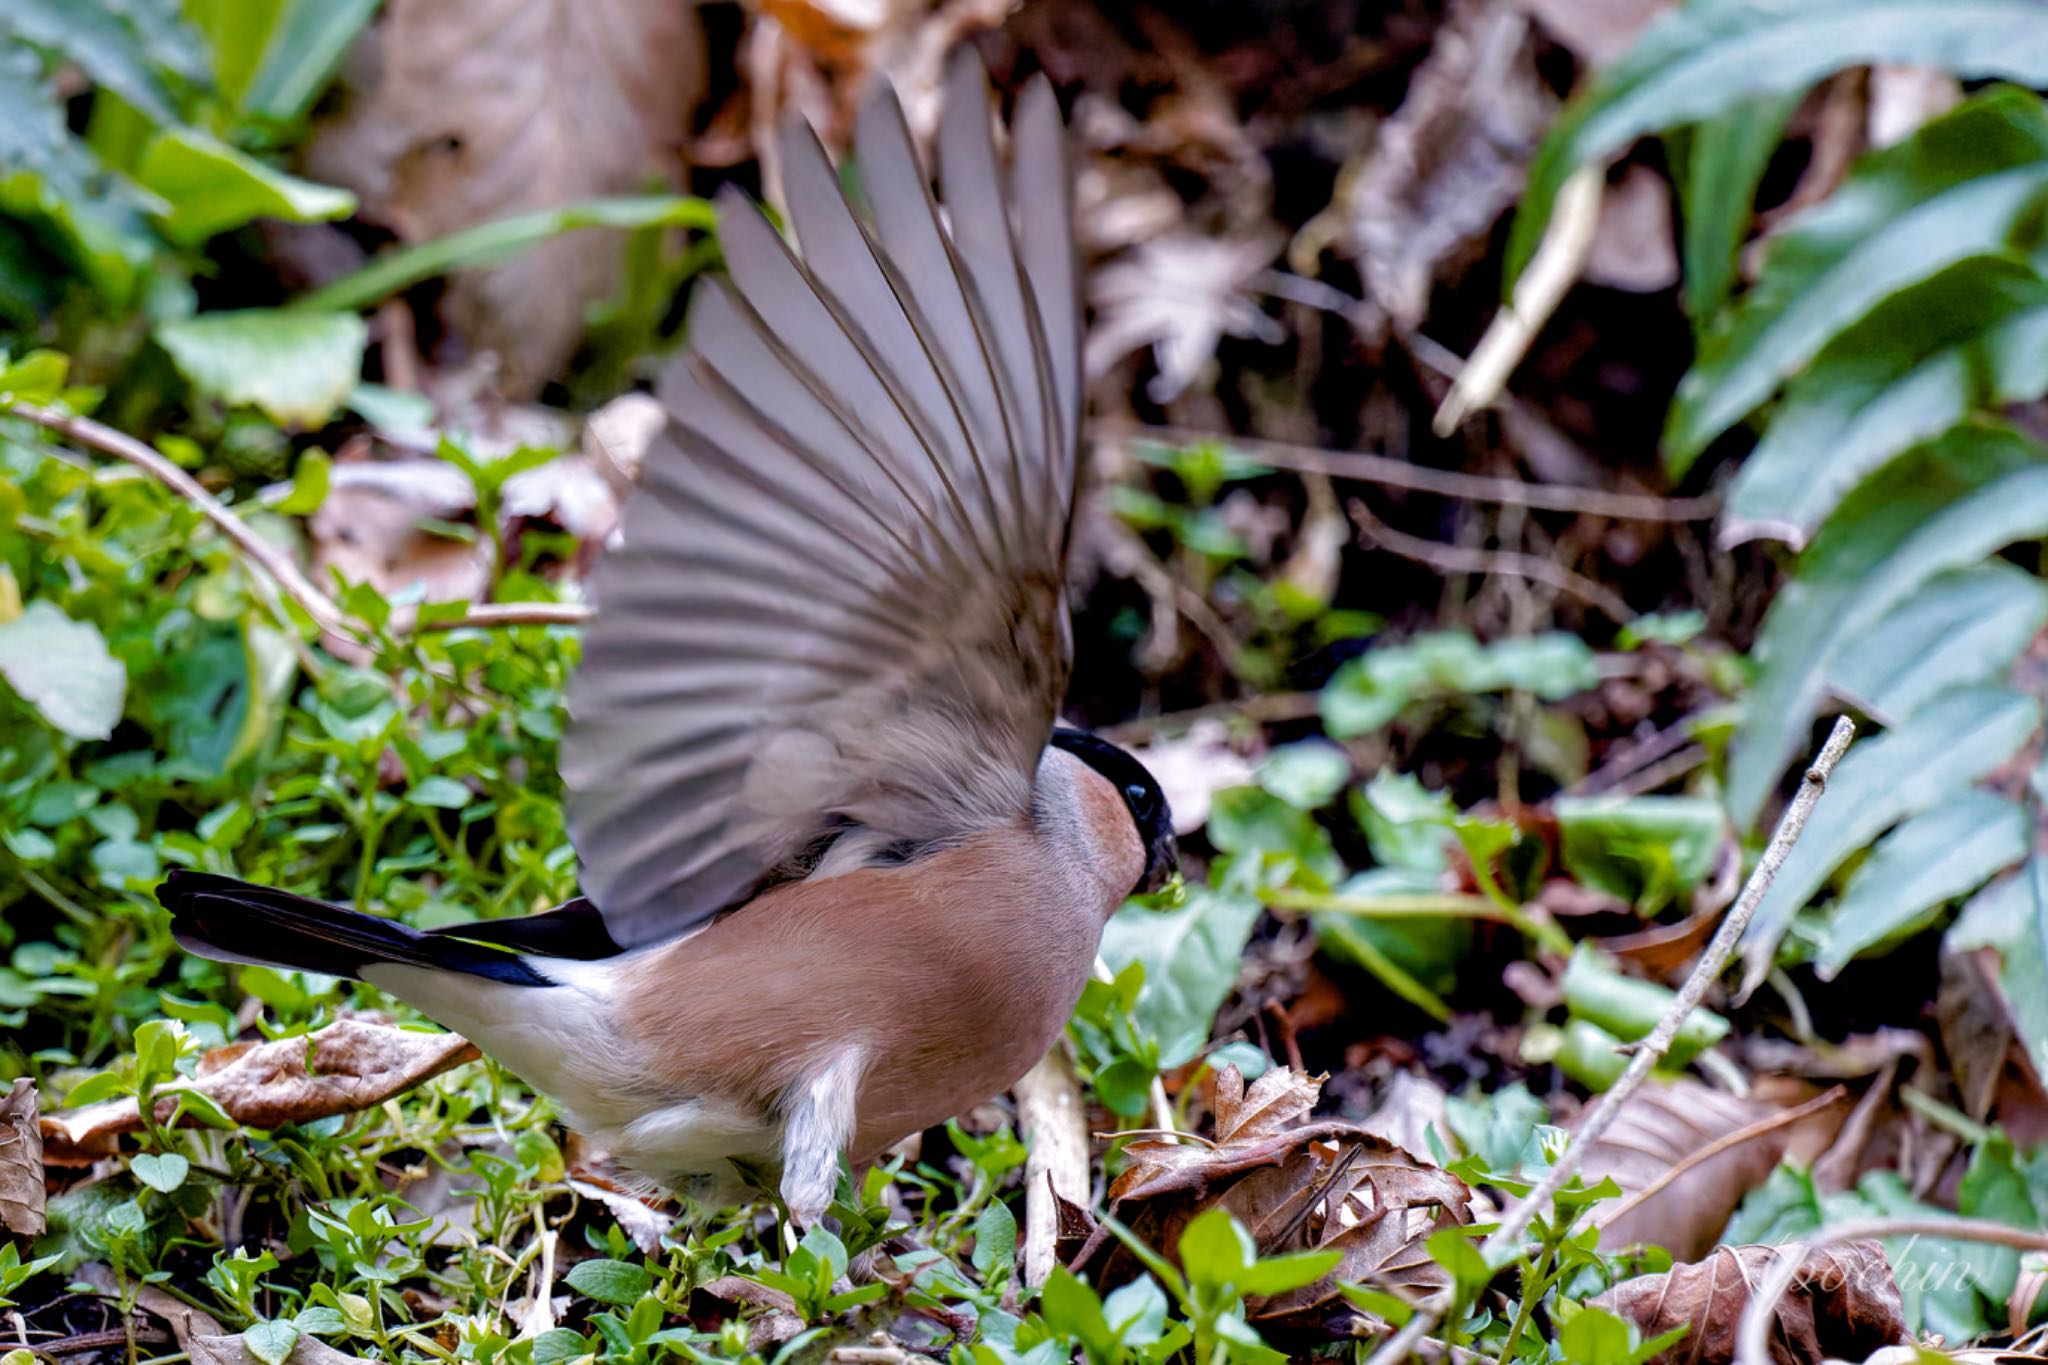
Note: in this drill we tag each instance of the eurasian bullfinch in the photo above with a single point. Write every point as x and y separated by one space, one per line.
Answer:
845 877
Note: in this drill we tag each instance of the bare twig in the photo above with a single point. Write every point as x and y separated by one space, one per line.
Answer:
1362 467
1459 559
1752 1345
274 563
1652 1049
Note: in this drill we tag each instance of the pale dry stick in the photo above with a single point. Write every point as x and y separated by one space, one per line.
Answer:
1460 559
1552 270
1361 467
1752 1345
275 563
1055 1128
1748 1132
1652 1049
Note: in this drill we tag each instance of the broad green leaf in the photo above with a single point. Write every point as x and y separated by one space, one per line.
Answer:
1965 626
1191 958
1916 365
211 187
1629 1007
164 1172
1948 1285
271 1342
305 46
1415 956
440 793
62 668
102 40
1215 1249
49 177
298 366
1594 1336
1646 848
1406 824
995 1238
1952 741
618 1282
1945 505
1373 689
1970 183
2010 917
1503 1129
1929 860
1718 165
1306 775
1704 59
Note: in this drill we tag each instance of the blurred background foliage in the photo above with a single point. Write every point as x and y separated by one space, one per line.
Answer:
1699 351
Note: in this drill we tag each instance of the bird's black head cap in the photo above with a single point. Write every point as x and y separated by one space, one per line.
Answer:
1142 797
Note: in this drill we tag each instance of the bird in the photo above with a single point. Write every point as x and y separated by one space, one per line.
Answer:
844 874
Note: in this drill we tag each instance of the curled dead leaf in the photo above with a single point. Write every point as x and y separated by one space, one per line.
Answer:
21 1162
348 1066
1844 1305
233 1350
1296 1185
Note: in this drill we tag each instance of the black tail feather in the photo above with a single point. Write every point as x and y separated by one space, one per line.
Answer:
235 921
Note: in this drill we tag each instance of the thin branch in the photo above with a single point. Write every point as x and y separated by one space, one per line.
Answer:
1054 1121
269 558
1652 1049
1358 466
276 564
1752 1333
1459 559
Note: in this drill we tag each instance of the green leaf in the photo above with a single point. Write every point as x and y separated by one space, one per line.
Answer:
1594 1336
489 243
1952 741
1629 1008
1962 627
1191 958
616 1282
1503 1129
439 793
63 668
1281 1274
1705 58
1968 338
995 1239
211 187
100 39
298 366
271 1342
162 1173
1370 691
312 477
1948 504
1926 862
1306 775
1718 165
1215 1249
1643 848
1968 184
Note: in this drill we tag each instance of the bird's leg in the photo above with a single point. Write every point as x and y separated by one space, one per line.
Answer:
816 1131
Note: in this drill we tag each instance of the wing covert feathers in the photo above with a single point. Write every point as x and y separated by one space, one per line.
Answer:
839 593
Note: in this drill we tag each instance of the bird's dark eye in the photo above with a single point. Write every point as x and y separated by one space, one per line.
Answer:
1135 794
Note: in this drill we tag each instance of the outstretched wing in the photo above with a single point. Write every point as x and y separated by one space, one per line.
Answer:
839 595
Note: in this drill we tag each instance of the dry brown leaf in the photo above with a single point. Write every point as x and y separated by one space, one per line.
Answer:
182 1318
348 1066
232 1350
1295 1184
1450 160
21 1162
1844 1305
1661 1125
464 111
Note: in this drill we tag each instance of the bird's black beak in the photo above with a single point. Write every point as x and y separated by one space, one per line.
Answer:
1162 862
